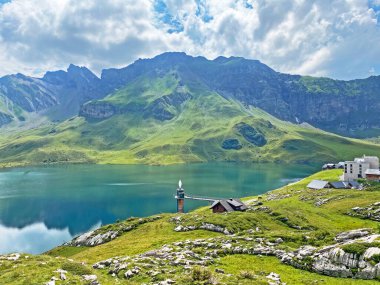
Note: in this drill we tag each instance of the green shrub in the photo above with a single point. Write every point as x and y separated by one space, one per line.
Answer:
359 248
354 271
76 268
247 275
355 248
201 274
375 258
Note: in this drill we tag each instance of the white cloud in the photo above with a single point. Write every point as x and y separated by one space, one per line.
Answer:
338 38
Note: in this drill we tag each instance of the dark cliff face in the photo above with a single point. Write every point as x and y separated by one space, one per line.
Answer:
61 91
333 105
97 110
4 119
30 94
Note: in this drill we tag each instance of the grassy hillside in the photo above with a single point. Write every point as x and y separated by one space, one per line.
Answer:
290 213
164 121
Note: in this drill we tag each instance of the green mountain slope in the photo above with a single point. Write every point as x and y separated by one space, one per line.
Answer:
174 118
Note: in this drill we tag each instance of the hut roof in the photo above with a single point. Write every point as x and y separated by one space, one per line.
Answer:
317 184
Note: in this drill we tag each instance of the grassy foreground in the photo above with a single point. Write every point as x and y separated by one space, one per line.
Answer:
292 213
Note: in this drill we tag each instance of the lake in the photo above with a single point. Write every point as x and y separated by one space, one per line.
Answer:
42 207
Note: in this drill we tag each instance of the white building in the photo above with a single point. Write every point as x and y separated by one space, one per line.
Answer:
358 167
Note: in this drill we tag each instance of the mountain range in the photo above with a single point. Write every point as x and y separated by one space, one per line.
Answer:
178 108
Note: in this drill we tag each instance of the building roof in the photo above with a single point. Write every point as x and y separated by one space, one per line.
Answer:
230 204
372 172
354 184
317 184
241 204
339 185
234 203
224 204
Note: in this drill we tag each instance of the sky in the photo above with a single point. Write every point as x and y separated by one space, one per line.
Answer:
333 38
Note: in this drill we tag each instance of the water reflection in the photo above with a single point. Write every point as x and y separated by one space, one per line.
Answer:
34 239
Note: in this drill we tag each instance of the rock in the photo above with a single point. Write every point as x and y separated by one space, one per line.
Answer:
306 250
274 277
352 234
371 252
62 276
218 270
178 228
97 237
279 240
90 277
128 274
214 228
166 282
97 110
13 257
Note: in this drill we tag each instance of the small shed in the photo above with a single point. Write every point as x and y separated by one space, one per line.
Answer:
340 165
318 184
328 166
229 205
372 174
340 185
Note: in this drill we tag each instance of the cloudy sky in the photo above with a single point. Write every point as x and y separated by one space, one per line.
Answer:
335 38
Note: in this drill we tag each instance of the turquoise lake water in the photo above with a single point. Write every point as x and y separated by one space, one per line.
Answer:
42 207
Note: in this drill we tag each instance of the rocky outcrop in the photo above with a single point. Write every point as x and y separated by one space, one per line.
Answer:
203 226
165 107
355 256
251 134
108 233
371 212
98 110
345 236
5 119
63 91
231 144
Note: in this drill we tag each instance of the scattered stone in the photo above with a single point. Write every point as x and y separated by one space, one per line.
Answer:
13 257
274 279
279 240
275 197
319 202
128 274
352 234
330 260
371 212
90 277
62 276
